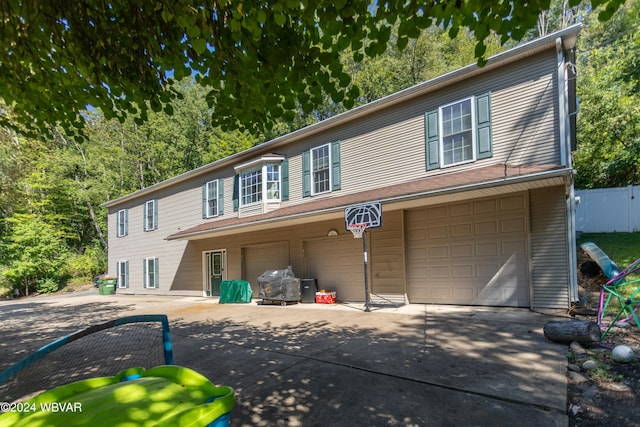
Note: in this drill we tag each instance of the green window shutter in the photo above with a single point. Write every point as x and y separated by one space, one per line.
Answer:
204 200
335 166
220 196
483 126
126 274
432 143
156 273
284 176
306 174
145 211
144 272
236 193
126 222
155 214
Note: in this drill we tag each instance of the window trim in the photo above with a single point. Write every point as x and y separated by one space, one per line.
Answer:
147 273
265 190
263 186
328 169
119 266
258 172
154 215
207 213
472 101
122 222
482 138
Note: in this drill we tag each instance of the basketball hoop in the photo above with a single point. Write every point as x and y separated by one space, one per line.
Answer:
357 230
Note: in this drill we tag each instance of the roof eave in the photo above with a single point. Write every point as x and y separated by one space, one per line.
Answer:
556 173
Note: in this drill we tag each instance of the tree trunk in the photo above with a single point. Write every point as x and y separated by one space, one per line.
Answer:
96 224
582 331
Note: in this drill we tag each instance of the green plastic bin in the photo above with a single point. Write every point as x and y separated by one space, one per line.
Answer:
107 285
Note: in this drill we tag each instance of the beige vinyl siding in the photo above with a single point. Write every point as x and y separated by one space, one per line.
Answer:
381 148
523 113
337 264
179 208
549 251
257 259
292 235
524 129
386 257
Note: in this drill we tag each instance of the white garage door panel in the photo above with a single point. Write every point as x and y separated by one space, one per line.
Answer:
258 259
337 263
469 253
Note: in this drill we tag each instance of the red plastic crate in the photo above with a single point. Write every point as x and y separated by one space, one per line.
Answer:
326 297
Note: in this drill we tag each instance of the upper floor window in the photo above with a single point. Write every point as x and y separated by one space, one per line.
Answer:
459 132
321 169
262 180
251 186
273 182
150 215
122 222
212 198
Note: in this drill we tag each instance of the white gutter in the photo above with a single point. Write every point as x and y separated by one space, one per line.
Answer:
566 160
562 101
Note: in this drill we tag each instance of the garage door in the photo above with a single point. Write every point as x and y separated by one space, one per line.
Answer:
260 258
337 263
469 253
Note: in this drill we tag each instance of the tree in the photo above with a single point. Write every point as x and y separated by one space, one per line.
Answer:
36 252
608 152
261 60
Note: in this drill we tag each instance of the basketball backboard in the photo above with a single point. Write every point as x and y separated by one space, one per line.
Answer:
365 213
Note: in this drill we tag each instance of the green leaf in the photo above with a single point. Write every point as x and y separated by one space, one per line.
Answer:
261 16
401 43
199 45
279 19
166 15
193 31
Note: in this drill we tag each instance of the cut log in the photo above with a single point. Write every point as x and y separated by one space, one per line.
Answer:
582 331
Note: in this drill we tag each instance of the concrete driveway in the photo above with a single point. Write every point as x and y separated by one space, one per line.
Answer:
308 364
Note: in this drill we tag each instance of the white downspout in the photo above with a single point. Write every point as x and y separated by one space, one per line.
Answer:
565 160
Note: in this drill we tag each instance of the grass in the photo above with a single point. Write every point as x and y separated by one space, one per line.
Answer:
622 248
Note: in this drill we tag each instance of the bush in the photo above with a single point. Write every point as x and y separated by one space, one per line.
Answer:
88 264
47 285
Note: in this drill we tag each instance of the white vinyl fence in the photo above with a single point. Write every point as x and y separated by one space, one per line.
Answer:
608 210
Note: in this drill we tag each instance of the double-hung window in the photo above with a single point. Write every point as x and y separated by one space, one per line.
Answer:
212 198
321 169
273 181
459 132
122 268
151 215
122 219
151 276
